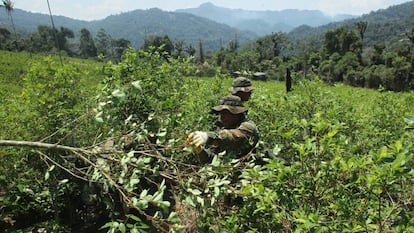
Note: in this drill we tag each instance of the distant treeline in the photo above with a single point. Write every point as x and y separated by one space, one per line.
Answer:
340 57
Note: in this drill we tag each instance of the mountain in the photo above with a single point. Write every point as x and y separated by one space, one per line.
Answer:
263 22
27 22
137 25
386 25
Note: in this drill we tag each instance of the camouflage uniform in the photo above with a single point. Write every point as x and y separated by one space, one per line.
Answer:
237 140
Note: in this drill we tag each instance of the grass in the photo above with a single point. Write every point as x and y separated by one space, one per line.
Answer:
15 65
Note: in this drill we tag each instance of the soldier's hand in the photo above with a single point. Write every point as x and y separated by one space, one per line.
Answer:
197 138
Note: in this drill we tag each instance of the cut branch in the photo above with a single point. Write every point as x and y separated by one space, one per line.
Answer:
43 145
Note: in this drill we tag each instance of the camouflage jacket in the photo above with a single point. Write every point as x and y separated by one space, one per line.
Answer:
236 142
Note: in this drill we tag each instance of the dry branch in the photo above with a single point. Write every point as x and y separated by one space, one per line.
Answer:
44 145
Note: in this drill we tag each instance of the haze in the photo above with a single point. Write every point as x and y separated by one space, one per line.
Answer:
99 9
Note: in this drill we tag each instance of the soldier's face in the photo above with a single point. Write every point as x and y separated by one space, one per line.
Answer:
228 119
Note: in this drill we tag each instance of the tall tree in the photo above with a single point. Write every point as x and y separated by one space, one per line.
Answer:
179 48
410 36
201 52
43 40
8 5
103 43
190 50
331 43
119 45
341 40
55 32
47 38
161 43
87 46
362 27
61 38
377 57
278 40
234 45
4 37
270 46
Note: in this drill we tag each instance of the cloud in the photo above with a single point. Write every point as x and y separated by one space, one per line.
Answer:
355 7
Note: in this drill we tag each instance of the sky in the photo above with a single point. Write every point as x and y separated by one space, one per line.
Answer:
100 9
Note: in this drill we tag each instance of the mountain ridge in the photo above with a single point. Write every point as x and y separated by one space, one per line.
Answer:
269 20
137 25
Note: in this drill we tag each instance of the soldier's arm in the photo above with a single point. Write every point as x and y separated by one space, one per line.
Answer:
245 133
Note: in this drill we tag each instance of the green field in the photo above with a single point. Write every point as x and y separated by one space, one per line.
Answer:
15 65
330 158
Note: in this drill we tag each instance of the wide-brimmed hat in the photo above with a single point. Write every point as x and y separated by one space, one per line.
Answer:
241 84
231 103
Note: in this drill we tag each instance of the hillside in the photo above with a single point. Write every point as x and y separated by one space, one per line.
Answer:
139 24
263 22
386 25
136 25
27 22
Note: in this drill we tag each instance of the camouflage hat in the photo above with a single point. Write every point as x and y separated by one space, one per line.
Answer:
231 103
241 84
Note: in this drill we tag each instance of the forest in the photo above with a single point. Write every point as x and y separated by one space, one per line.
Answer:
93 135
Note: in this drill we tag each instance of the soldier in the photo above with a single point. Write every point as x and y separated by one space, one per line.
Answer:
242 87
236 135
